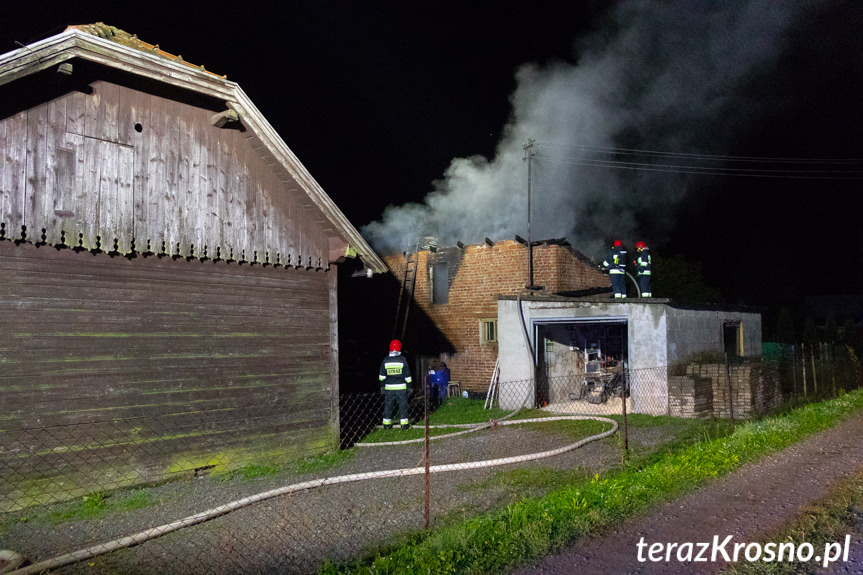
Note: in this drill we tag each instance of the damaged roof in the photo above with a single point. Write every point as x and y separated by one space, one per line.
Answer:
429 243
119 36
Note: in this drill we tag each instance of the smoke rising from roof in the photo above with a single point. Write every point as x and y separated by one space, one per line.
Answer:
657 76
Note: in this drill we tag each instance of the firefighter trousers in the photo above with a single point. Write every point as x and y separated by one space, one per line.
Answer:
391 397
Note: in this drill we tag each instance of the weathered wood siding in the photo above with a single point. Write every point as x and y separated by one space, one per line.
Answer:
116 371
119 165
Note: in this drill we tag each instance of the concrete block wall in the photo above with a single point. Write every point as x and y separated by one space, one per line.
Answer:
690 396
765 389
478 274
752 390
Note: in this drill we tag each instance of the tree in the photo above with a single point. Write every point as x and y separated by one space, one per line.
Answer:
785 326
681 280
810 332
832 330
847 333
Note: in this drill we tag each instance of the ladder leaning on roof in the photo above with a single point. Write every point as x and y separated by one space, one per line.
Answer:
406 295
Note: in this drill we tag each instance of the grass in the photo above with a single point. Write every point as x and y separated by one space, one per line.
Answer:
536 526
100 504
528 479
675 433
92 506
314 464
456 411
827 521
459 410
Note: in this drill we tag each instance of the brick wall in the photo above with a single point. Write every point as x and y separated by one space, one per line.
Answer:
477 275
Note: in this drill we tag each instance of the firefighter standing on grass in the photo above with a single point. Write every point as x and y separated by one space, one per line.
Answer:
615 263
395 375
643 264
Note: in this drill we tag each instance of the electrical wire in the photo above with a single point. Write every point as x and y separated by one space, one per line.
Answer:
712 171
718 157
627 159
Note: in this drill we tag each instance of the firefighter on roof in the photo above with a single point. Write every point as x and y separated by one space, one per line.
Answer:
643 264
615 263
395 375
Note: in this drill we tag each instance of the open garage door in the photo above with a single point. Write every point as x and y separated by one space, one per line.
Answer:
573 353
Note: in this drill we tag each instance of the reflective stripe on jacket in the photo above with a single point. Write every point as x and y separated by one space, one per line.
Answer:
643 262
395 373
615 261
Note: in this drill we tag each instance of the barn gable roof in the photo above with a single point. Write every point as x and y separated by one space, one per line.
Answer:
114 48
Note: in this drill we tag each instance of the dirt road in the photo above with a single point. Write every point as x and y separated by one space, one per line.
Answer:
748 505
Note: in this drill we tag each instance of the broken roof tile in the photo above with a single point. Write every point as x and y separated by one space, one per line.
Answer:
124 38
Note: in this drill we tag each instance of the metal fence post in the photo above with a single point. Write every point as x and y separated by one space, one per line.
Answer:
623 395
426 513
730 392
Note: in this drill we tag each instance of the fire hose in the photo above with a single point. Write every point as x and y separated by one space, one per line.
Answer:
13 559
152 533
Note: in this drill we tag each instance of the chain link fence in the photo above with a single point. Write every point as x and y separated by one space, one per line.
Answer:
73 500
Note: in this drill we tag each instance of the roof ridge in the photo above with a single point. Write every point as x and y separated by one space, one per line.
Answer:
114 34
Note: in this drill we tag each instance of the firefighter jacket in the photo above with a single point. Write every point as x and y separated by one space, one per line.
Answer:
643 262
395 373
615 261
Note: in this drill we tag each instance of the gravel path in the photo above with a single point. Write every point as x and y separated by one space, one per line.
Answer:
295 533
749 504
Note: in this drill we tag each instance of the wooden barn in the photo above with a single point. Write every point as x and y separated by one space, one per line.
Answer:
167 301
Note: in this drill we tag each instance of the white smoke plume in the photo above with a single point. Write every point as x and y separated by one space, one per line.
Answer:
654 76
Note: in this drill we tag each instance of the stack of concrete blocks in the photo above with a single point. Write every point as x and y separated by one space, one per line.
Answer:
766 389
690 396
751 391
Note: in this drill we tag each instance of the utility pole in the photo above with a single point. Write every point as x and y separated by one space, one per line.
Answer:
528 155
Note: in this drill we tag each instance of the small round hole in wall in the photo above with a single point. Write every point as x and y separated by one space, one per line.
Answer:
138 127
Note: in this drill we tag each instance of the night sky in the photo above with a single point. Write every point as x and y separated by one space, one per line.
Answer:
377 98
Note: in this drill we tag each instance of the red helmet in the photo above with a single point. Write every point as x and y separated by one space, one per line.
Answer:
640 245
395 345
617 243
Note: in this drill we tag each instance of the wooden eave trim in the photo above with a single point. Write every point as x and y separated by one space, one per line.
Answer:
78 44
34 58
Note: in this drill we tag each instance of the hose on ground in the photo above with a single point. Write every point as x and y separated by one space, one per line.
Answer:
148 534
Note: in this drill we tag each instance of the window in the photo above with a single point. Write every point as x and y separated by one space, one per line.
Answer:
488 330
439 282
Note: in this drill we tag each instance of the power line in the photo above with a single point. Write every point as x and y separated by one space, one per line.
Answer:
626 160
673 169
716 157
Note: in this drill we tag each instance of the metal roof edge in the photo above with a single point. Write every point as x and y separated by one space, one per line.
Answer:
604 299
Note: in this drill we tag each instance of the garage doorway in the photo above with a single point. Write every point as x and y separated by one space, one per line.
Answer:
568 350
